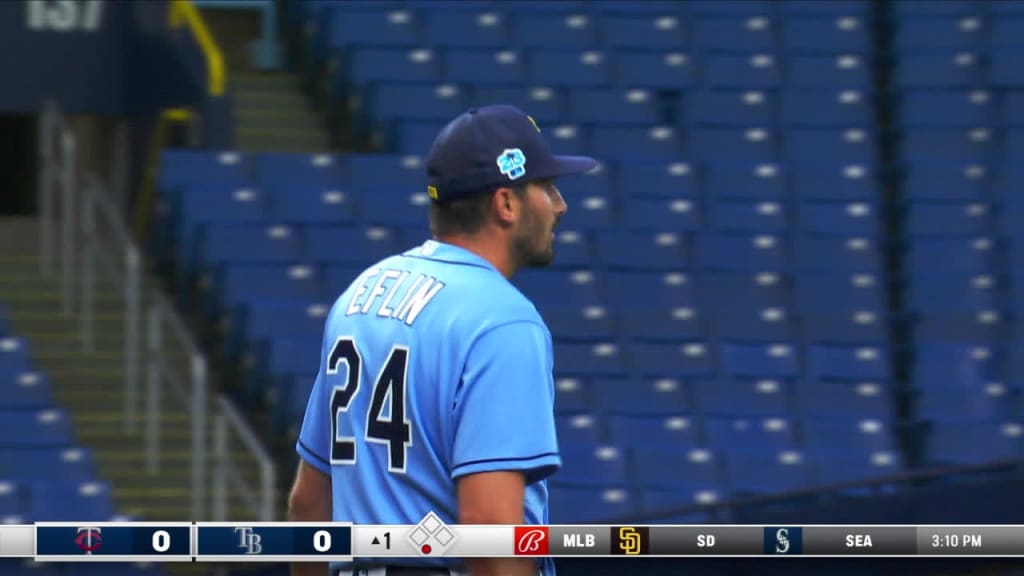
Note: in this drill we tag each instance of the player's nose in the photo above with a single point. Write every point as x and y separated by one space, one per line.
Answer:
560 206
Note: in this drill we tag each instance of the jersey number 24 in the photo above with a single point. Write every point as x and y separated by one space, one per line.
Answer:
393 430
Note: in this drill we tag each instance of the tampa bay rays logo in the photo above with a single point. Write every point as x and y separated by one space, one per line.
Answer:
512 163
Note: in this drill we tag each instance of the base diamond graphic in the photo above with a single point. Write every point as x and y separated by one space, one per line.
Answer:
431 536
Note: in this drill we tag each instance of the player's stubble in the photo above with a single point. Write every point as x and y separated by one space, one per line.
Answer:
534 243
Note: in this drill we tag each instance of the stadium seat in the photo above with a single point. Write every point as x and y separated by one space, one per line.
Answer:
834 180
373 65
569 68
589 359
642 178
662 251
241 284
752 34
950 219
578 429
941 33
967 399
203 204
762 181
485 67
851 145
840 71
643 32
482 28
680 430
935 180
22 387
690 359
953 108
265 317
652 306
572 396
854 219
63 500
851 435
836 254
858 8
757 71
655 396
255 243
838 467
746 108
970 441
743 397
383 173
976 145
748 217
966 255
696 467
357 246
47 427
939 70
826 399
661 214
182 167
597 466
389 102
31 464
660 70
532 29
347 28
586 505
742 252
846 34
544 104
635 141
753 473
826 108
825 362
613 106
759 361
739 144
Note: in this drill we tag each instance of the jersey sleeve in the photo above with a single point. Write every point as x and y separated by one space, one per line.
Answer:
504 406
315 436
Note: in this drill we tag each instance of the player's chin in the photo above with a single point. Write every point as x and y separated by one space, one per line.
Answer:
541 258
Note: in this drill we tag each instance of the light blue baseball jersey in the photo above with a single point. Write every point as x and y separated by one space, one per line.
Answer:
433 366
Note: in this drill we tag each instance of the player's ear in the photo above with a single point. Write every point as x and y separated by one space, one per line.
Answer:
505 204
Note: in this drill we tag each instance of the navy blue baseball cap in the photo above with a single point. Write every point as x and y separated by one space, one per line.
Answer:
493 146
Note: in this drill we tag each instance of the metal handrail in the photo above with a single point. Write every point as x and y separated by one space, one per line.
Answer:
227 472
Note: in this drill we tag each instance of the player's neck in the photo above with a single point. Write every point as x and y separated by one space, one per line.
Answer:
490 248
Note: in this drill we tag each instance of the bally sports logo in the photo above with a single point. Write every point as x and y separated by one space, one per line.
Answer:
532 540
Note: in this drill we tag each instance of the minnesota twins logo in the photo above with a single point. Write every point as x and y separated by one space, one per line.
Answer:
512 163
89 539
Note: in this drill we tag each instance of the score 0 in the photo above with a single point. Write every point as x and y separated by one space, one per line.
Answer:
322 541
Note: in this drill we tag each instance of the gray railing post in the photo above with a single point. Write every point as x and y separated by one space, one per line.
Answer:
87 300
132 307
68 218
47 125
153 379
220 471
199 457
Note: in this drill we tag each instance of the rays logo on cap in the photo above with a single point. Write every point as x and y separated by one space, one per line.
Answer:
512 163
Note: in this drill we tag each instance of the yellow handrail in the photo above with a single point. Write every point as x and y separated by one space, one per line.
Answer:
182 13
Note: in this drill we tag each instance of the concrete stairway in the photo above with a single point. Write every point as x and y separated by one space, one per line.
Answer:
273 115
90 386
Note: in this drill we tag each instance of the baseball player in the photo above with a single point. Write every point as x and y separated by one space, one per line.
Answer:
435 389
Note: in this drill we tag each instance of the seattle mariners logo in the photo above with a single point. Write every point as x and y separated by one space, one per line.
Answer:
783 540
531 541
512 163
89 539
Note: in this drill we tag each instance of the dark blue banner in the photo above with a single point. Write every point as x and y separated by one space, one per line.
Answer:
104 540
257 540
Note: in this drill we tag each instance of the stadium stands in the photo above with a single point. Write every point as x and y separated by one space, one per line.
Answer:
723 298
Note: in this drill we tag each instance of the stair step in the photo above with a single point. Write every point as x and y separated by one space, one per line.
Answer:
270 99
247 82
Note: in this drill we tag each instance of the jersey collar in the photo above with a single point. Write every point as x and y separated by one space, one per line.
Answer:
440 251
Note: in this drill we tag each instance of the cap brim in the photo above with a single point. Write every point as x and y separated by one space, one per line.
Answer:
569 166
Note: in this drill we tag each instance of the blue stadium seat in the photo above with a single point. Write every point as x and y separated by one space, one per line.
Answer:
822 293
589 359
935 180
845 34
948 364
858 327
759 361
935 7
30 464
23 387
10 498
761 181
483 28
823 180
396 209
578 429
1013 108
754 473
1005 7
668 430
583 505
756 71
621 249
970 441
768 434
372 65
851 145
659 214
950 219
838 467
347 28
280 172
843 218
568 139
843 71
414 138
201 204
569 302
181 167
389 102
690 359
654 306
740 144
851 435
730 8
938 70
613 106
962 399
743 397
15 354
358 245
544 104
748 217
742 252
663 31
660 500
743 34
635 141
485 67
312 205
836 254
941 293
969 255
725 293
597 466
286 355
829 362
697 467
976 145
572 250
823 107
636 8
1007 32
858 8
745 108
652 397
532 29
643 178
383 173
950 108
65 500
572 396
941 33
240 284
265 317
255 243
826 399
35 428
569 68
664 70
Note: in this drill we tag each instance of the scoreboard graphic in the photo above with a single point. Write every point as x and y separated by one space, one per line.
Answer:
318 542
